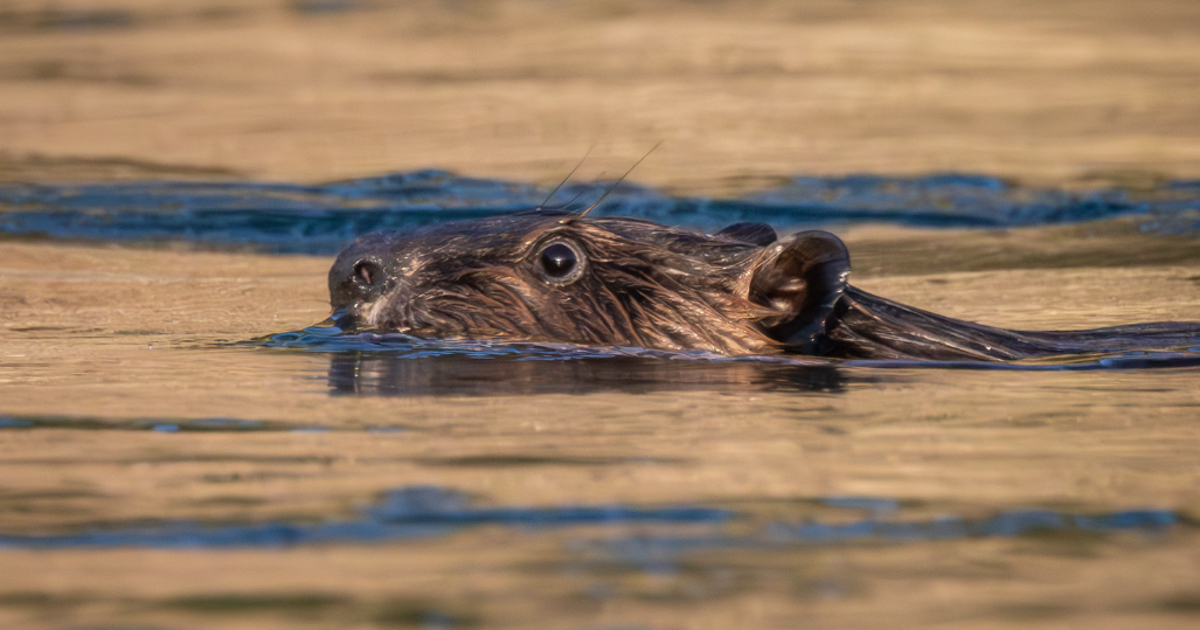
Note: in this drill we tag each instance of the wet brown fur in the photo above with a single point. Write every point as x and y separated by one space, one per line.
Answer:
645 285
741 291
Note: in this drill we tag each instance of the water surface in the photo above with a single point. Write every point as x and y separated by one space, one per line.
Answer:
183 446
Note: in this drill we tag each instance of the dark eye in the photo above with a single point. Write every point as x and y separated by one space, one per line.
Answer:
560 262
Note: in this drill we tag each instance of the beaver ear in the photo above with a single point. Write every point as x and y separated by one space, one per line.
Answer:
759 234
803 278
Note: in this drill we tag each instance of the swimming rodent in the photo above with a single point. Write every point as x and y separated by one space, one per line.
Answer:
562 277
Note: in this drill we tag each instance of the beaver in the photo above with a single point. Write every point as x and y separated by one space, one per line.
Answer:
545 275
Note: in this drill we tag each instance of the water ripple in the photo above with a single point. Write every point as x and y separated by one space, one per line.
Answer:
410 512
661 551
384 354
321 219
425 511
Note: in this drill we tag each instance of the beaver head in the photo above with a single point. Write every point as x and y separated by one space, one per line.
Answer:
556 276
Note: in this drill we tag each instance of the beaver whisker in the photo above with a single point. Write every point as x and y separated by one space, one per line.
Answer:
542 206
619 180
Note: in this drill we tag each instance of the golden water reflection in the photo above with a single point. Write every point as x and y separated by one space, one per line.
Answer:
126 408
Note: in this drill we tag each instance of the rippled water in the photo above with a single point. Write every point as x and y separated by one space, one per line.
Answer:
287 218
182 445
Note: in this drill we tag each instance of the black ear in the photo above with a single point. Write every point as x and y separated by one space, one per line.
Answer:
802 278
759 234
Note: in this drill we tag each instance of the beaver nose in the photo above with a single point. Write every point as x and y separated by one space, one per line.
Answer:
362 281
368 275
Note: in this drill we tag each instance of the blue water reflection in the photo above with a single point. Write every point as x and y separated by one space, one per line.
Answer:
425 511
320 219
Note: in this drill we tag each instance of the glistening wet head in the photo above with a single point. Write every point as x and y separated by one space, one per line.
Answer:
561 277
555 276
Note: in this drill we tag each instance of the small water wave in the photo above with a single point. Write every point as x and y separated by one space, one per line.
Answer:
395 364
321 219
1188 357
662 551
410 512
426 511
327 337
179 425
139 424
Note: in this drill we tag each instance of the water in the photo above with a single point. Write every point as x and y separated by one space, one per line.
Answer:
182 445
319 219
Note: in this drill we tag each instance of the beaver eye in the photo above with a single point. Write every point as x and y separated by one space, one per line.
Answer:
560 262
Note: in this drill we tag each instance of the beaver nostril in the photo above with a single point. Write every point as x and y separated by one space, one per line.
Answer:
367 273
